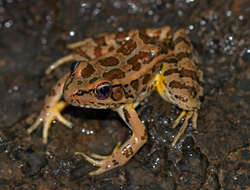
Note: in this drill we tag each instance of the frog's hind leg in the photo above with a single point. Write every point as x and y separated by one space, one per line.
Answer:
88 49
180 81
80 53
169 94
59 62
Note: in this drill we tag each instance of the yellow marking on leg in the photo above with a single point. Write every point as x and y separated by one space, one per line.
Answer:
55 113
131 107
159 85
56 110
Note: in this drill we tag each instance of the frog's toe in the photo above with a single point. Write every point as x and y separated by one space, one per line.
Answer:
194 119
187 115
103 162
178 120
100 170
52 114
60 118
35 125
101 157
47 116
91 160
98 156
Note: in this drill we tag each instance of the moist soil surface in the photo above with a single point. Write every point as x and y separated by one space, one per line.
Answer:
33 34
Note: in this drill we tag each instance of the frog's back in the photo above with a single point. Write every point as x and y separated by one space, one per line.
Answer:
129 69
133 66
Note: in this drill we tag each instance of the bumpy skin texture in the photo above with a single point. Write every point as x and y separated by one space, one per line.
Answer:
117 71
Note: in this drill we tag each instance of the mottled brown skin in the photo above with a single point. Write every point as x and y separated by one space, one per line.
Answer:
119 70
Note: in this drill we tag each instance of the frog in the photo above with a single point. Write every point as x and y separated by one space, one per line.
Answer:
120 70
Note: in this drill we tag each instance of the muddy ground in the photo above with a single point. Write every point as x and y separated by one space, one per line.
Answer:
33 34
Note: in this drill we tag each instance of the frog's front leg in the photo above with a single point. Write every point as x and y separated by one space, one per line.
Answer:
52 109
121 154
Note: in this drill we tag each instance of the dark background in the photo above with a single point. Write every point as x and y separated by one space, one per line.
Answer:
33 34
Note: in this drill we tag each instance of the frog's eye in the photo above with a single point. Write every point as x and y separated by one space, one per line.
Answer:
103 90
74 66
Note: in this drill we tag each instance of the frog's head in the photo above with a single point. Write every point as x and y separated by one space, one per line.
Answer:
87 87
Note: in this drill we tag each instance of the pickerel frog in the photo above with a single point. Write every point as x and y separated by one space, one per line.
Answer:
117 71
